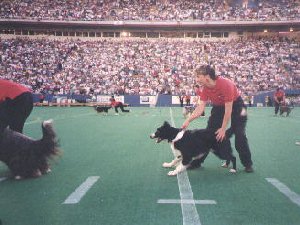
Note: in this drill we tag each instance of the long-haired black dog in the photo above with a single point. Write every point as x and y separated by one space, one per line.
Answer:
190 145
26 157
102 108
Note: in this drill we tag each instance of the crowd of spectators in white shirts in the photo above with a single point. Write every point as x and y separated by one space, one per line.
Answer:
147 66
150 10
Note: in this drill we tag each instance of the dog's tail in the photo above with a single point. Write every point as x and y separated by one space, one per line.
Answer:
49 139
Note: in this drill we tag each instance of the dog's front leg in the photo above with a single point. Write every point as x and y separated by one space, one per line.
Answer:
174 162
180 168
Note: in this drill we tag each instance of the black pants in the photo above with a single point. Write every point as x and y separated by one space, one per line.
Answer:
121 106
238 128
277 106
14 112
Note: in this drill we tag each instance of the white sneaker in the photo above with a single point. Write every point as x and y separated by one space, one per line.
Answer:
297 143
116 114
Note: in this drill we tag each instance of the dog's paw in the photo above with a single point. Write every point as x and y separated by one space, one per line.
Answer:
18 177
172 173
37 173
167 165
224 165
232 171
47 122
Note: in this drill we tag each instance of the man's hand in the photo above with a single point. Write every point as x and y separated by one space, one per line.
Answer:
220 134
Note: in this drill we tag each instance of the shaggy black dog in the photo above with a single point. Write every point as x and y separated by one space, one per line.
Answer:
285 109
103 108
26 157
189 145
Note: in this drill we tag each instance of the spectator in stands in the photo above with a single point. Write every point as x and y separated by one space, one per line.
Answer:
16 103
279 98
227 105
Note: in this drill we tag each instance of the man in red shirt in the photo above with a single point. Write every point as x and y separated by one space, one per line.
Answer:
117 105
279 98
227 105
16 103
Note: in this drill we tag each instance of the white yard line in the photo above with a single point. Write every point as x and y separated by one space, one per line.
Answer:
294 197
189 212
76 196
3 178
186 201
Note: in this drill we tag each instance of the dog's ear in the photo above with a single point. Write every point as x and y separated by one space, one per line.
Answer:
166 124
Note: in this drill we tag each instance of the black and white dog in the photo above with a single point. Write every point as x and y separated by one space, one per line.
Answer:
26 157
190 145
102 108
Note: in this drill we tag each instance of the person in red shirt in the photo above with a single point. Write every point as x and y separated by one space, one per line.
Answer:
115 104
279 98
188 99
227 105
16 104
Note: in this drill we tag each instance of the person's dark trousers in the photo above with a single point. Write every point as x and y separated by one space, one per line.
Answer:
238 127
277 106
121 106
14 112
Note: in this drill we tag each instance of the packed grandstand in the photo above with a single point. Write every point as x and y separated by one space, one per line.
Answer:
159 10
148 66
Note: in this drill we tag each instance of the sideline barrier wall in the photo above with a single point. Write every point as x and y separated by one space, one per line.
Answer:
135 100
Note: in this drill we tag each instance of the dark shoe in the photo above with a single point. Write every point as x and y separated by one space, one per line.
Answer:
249 169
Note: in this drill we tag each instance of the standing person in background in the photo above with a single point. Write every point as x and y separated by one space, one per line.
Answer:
181 100
279 98
227 105
188 99
16 104
117 105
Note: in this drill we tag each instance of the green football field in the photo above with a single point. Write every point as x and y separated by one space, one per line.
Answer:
110 173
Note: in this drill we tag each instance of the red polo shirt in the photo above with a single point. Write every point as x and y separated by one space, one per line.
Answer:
9 89
224 91
279 94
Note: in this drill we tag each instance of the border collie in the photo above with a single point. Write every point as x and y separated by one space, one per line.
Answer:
102 108
190 145
26 157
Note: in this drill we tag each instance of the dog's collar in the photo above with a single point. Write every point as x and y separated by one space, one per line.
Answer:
178 136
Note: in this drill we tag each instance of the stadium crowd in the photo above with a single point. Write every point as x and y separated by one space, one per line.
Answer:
151 10
147 66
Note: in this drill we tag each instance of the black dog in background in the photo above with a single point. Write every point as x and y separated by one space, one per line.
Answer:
103 108
26 157
285 108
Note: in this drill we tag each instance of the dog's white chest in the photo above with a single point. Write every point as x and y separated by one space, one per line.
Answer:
177 138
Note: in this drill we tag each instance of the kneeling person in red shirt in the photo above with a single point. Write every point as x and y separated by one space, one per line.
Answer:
16 103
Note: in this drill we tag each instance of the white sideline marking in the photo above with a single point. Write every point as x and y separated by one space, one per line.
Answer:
189 212
186 201
39 120
3 178
294 197
81 190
